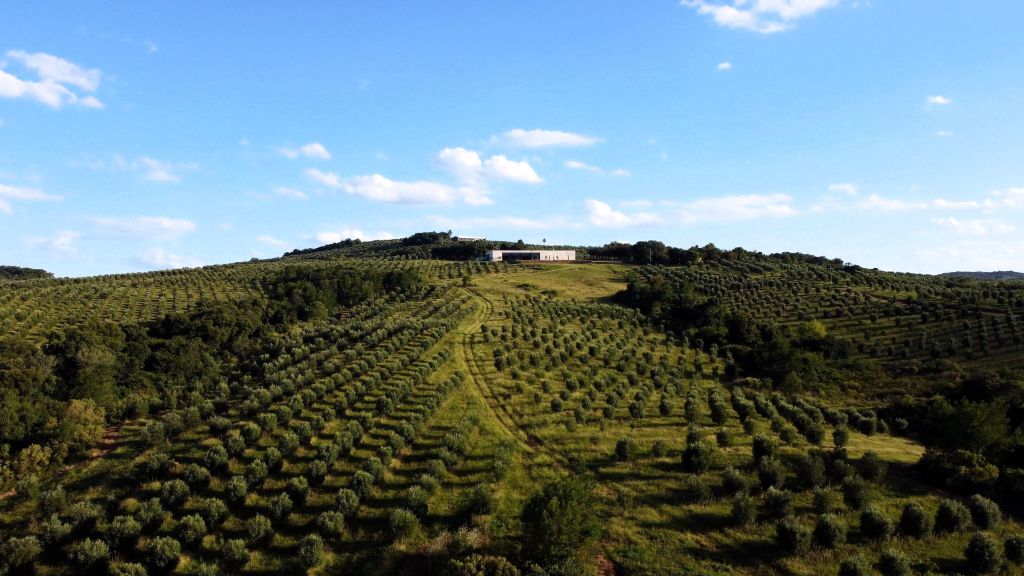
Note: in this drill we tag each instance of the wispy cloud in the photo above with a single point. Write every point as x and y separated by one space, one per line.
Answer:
975 227
724 66
382 189
734 208
145 227
271 241
584 167
939 100
602 215
519 138
59 82
285 192
763 16
63 242
160 259
145 167
10 193
314 150
490 223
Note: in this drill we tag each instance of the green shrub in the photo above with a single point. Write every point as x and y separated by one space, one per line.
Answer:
892 563
778 503
915 521
279 506
311 550
855 493
724 438
770 472
855 566
698 457
191 528
173 493
235 490
213 511
346 502
841 436
54 531
150 514
951 516
477 565
696 489
362 483
659 449
734 481
127 569
258 529
826 500
743 511
559 521
983 553
164 552
871 467
123 530
1013 548
626 449
481 500
763 447
256 472
829 531
89 554
234 553
20 553
984 512
298 489
415 500
403 523
792 537
331 523
195 476
810 470
874 524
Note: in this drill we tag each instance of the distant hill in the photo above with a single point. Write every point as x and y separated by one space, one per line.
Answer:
992 276
19 273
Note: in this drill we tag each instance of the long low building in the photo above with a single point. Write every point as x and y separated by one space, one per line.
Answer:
538 255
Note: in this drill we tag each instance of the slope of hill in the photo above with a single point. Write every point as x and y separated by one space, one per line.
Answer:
363 410
997 276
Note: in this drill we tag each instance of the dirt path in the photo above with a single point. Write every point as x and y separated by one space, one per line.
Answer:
501 413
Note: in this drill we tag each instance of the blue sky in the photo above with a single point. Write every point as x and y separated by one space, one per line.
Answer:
886 133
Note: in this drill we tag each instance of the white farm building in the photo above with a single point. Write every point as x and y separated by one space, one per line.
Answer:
538 255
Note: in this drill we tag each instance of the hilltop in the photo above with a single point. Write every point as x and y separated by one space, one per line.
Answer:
996 276
398 407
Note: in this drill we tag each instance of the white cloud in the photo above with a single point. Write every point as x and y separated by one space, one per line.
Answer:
292 193
945 134
271 241
9 193
159 258
847 189
146 227
1006 198
63 242
584 167
56 78
314 150
577 165
473 173
333 237
502 168
604 216
976 227
519 138
764 16
382 189
145 167
939 100
329 179
730 208
976 254
724 66
879 203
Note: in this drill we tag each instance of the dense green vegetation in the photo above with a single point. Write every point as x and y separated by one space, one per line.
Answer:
396 407
19 273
